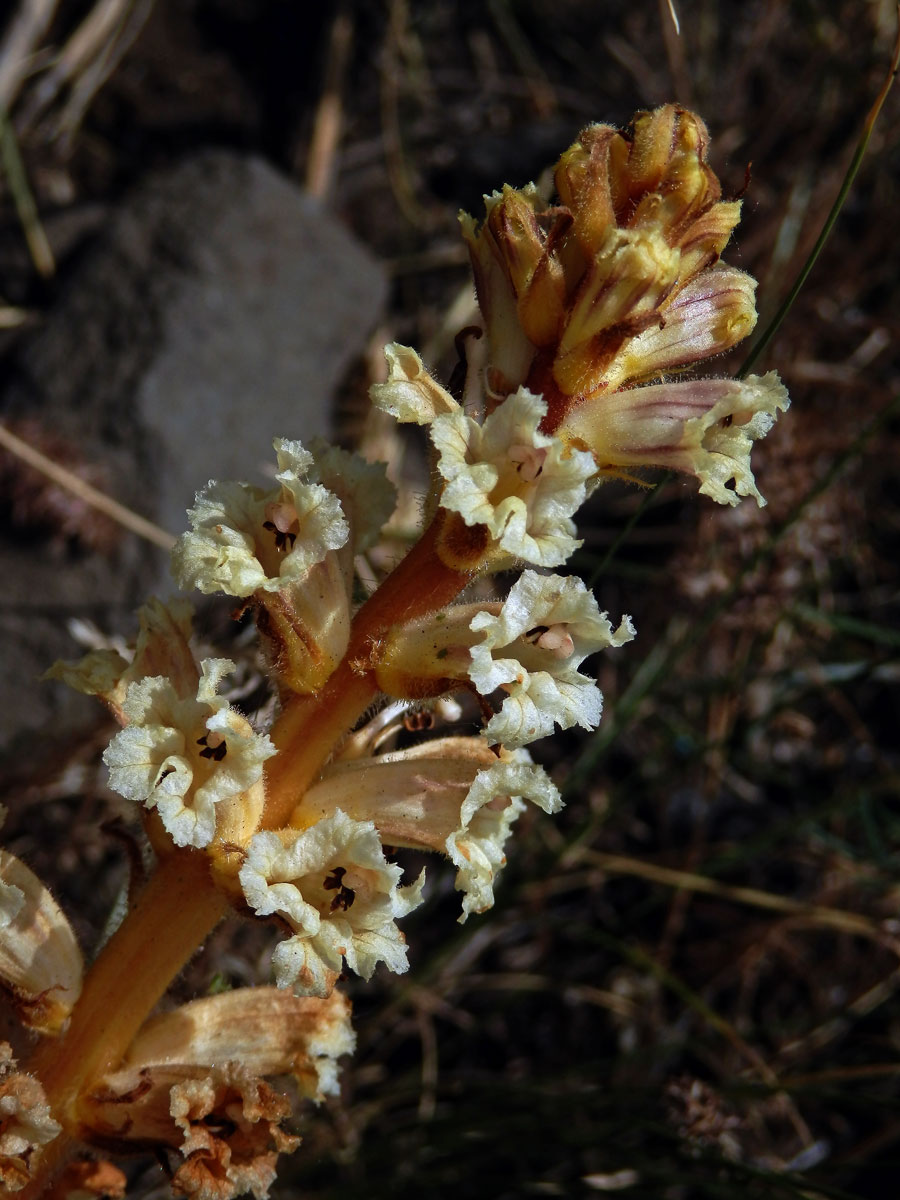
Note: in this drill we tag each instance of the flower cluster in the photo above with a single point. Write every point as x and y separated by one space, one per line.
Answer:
589 300
298 819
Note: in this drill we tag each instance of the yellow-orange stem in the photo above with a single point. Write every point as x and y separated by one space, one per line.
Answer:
170 918
310 726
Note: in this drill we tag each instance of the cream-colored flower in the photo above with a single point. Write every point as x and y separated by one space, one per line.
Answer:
494 801
410 394
244 539
184 756
451 795
532 650
332 884
306 625
505 474
703 427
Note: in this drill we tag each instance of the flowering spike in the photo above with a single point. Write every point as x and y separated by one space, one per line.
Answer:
588 304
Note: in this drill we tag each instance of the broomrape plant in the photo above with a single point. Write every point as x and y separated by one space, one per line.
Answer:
588 303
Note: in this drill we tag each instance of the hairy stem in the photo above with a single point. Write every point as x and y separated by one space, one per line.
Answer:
311 726
171 917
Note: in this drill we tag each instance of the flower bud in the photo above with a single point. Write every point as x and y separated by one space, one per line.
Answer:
567 291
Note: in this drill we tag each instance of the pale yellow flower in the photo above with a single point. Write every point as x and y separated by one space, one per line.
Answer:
183 756
450 795
532 651
507 475
244 539
703 427
333 886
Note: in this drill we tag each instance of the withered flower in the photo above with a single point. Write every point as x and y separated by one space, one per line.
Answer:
192 1082
40 961
25 1123
223 1120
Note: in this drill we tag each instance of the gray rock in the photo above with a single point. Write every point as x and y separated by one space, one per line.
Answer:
219 309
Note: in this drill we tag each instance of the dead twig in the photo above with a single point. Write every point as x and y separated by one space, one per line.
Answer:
90 495
814 914
326 134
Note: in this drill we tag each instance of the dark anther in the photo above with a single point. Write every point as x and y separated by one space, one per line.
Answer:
726 421
415 722
533 634
345 896
216 753
281 539
537 473
343 899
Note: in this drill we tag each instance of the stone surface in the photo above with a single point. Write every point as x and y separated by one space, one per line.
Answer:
219 309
